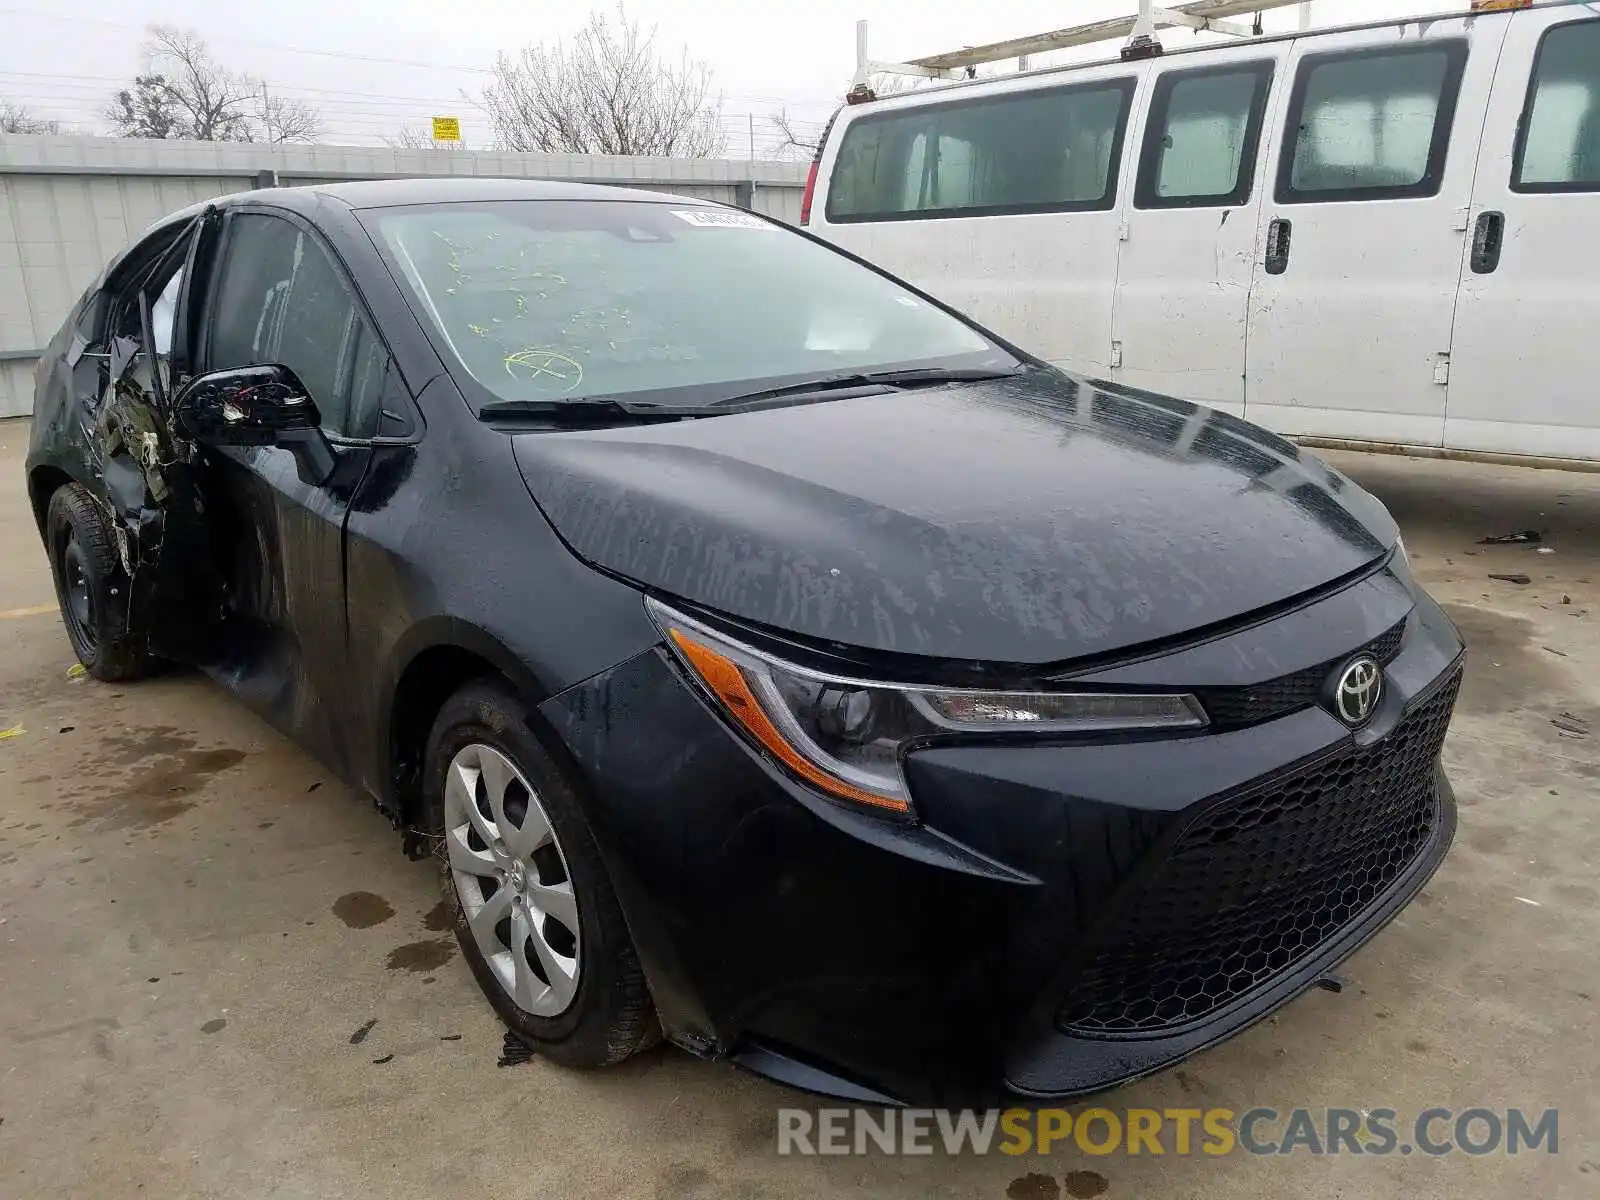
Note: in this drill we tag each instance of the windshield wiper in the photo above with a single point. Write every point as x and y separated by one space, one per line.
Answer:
588 411
909 377
913 375
594 410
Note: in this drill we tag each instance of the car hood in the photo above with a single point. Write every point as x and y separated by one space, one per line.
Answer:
1029 520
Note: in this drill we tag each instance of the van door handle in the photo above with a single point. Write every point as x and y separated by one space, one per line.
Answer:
1278 230
1487 235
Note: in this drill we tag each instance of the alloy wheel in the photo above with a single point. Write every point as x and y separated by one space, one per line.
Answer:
512 879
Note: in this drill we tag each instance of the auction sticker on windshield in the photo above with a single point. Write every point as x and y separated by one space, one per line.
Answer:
711 218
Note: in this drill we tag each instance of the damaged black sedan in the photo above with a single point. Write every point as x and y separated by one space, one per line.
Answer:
771 658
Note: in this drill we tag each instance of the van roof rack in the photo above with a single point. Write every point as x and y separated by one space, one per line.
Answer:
1139 28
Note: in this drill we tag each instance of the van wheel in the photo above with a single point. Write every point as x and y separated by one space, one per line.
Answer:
92 588
536 916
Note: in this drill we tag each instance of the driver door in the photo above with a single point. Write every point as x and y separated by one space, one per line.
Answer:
280 296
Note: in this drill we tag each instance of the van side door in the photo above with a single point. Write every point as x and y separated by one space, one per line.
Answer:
1189 225
1360 243
1525 357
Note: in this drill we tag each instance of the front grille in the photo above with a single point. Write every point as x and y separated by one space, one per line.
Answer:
1256 883
1235 706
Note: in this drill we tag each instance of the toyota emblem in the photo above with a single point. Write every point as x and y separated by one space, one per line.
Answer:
1356 693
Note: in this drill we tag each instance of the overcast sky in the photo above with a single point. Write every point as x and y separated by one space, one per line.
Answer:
373 66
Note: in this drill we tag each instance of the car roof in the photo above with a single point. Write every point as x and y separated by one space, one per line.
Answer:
385 193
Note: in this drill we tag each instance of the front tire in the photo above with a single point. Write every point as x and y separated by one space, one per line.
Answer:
536 917
92 588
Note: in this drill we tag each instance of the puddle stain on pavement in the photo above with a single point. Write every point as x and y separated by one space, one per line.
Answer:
421 956
441 917
162 769
1083 1184
1033 1187
1505 667
1508 671
362 910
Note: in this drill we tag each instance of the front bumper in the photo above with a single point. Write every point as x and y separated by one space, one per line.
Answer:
1048 926
1049 1062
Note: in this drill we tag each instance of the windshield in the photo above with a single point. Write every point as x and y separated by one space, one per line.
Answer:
550 300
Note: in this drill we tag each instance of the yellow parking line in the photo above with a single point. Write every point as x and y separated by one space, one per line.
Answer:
16 614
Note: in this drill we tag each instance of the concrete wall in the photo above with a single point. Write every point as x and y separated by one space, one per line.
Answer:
68 204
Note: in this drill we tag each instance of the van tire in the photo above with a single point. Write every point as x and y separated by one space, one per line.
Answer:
92 588
611 1016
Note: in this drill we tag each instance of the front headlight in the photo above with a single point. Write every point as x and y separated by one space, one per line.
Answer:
847 736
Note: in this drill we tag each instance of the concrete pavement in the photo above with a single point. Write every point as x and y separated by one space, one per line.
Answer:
197 922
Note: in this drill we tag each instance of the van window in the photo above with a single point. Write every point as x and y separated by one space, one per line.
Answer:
1560 145
1370 124
1200 143
1036 151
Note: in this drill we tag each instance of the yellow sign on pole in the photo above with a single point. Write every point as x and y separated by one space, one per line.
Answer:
447 129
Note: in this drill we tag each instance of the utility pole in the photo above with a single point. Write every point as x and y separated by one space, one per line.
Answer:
266 110
751 117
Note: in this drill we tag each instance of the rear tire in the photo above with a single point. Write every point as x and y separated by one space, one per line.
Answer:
92 588
512 826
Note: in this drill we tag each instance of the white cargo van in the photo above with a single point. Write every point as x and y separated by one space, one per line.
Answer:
1386 234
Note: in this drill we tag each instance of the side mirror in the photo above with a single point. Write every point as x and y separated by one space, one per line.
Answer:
257 406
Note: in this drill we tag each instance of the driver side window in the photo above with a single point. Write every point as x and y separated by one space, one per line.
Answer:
163 310
282 299
155 279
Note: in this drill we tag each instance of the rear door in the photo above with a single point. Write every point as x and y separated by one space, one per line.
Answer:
282 296
1183 280
1361 241
130 352
1526 357
1002 202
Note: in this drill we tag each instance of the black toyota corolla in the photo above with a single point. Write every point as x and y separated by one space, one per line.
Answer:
771 658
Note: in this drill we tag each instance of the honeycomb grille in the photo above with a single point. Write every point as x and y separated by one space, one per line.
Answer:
1232 707
1258 882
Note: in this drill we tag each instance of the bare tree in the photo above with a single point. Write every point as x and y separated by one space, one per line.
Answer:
184 92
886 83
793 136
607 91
408 138
285 120
15 118
807 137
146 109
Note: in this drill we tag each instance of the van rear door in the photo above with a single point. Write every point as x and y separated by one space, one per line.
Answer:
1525 355
1361 241
1189 225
